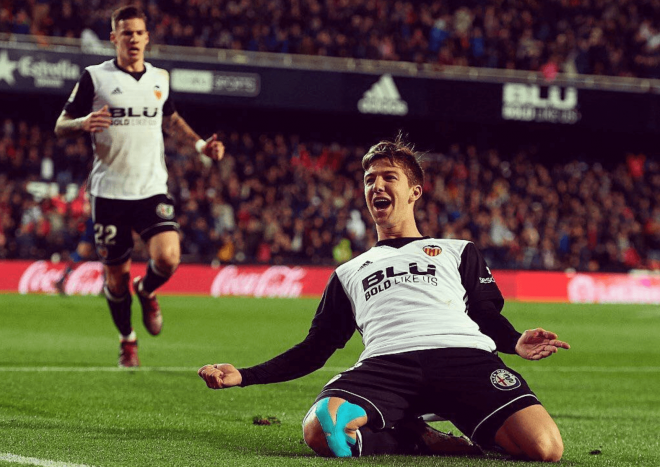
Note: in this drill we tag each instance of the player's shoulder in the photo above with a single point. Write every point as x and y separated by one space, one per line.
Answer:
156 70
106 66
355 264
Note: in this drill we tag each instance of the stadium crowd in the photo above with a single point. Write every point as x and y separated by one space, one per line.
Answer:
278 199
614 38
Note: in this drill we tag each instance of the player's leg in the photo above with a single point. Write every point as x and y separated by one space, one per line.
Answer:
491 403
158 229
165 255
331 427
355 416
531 433
117 293
114 244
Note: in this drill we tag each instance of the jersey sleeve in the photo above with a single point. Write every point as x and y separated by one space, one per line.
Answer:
82 97
485 301
168 107
332 326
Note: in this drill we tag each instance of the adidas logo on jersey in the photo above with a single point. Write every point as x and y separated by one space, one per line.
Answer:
383 98
116 91
364 265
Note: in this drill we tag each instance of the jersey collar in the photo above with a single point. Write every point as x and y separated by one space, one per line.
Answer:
399 242
135 74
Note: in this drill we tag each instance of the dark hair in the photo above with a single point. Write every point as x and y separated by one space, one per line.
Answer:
400 153
127 12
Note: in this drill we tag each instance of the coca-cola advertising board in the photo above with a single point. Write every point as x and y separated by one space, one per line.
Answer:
252 281
304 281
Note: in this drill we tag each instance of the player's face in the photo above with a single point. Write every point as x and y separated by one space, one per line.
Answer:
389 197
130 38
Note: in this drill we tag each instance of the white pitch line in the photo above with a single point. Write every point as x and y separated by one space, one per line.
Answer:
13 458
185 369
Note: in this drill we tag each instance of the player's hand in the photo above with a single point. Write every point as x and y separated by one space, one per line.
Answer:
220 375
214 148
535 344
97 121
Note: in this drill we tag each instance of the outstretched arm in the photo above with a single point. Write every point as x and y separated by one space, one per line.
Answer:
535 344
220 375
176 126
332 326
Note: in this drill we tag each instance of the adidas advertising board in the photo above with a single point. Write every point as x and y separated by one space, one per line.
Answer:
42 72
383 98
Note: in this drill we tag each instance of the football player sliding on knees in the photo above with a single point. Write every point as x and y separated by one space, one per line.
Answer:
430 314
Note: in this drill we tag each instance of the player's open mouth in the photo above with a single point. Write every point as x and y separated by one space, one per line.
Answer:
381 203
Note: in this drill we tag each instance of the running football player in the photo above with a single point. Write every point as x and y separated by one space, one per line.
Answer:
125 105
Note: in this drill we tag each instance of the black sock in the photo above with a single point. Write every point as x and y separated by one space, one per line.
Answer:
120 309
154 278
388 441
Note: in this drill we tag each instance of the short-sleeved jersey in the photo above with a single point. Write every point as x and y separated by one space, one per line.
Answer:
414 297
129 156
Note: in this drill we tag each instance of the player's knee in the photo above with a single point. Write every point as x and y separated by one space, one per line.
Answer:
548 448
331 426
167 261
117 284
314 436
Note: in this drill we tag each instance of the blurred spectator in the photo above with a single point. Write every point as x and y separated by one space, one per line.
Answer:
281 199
619 38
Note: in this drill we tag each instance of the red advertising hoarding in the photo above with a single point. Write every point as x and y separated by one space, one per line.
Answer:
304 281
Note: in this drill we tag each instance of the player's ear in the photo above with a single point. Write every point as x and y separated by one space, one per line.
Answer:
147 37
415 193
113 37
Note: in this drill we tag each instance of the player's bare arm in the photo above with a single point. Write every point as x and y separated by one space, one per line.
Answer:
176 125
535 344
220 375
94 122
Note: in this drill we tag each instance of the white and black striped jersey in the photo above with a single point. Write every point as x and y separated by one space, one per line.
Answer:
129 157
402 295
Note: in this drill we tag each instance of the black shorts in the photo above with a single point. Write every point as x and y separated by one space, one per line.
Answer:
472 388
116 219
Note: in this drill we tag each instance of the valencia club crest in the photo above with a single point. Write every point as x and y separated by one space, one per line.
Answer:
432 250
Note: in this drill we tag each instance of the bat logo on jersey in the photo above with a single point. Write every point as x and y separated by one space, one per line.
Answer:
382 280
432 250
166 211
504 380
157 92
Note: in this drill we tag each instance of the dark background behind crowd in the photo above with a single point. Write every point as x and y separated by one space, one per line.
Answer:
289 190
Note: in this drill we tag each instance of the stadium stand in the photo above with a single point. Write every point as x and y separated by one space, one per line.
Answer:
286 195
300 201
619 38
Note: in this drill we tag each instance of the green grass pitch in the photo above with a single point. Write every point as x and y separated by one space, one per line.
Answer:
62 399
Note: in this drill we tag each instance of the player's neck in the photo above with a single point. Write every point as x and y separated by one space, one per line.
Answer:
136 66
399 231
